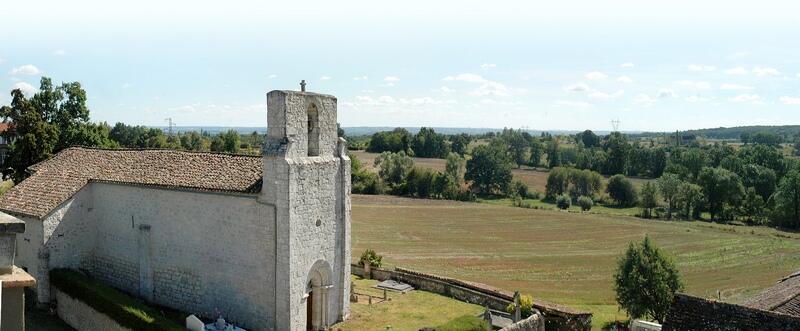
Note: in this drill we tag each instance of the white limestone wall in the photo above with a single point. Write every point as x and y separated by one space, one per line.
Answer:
203 252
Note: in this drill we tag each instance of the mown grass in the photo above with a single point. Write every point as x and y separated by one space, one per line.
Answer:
564 257
403 312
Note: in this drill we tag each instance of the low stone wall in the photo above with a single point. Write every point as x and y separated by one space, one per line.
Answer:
556 317
533 323
82 317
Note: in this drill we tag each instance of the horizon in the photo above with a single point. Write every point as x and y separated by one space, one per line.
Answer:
568 66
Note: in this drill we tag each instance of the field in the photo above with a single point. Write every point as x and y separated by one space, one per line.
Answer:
568 258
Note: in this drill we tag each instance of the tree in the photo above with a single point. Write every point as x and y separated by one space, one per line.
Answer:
761 179
584 182
393 169
668 184
489 169
621 190
455 167
54 118
397 140
787 200
553 157
563 201
517 145
428 143
617 147
720 187
459 143
649 199
753 206
689 199
585 203
557 182
588 138
537 151
363 181
646 281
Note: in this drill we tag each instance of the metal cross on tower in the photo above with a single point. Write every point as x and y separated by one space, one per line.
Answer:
303 85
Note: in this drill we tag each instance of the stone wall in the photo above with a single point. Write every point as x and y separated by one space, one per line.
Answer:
692 313
533 323
556 317
82 317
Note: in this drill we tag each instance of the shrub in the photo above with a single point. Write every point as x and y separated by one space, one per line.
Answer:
525 306
563 201
519 189
120 307
621 190
464 323
585 202
372 258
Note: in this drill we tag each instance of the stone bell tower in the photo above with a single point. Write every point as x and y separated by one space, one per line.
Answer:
307 180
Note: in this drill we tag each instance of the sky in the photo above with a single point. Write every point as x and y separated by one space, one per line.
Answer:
546 65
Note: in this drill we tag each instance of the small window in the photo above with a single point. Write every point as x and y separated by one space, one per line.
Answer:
313 130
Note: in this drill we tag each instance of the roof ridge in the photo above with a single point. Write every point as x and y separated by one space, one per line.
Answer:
138 149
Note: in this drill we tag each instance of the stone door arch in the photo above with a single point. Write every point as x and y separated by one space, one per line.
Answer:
318 296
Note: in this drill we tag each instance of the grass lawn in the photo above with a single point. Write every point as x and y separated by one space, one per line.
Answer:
567 258
403 312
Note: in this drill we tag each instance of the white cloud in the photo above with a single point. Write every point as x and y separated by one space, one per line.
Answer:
666 93
700 85
644 100
492 88
368 91
746 98
626 65
596 75
325 78
466 77
488 66
625 79
445 89
734 87
59 52
361 78
126 85
27 69
695 98
606 96
765 71
798 74
573 104
391 79
790 100
701 67
26 88
271 76
3 60
737 71
577 87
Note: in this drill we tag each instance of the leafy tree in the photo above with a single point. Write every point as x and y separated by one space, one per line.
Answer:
765 138
720 187
397 140
518 189
428 143
563 201
753 205
553 157
617 147
193 141
517 145
646 281
557 182
54 118
363 181
787 200
589 139
394 169
455 167
584 182
537 151
585 203
370 257
689 200
694 160
420 182
445 186
459 143
765 156
761 179
621 190
668 185
649 199
489 169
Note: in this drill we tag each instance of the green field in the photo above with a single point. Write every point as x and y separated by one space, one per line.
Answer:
564 257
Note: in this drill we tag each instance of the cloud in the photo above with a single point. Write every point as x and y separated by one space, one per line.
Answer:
368 91
734 87
577 87
325 78
3 60
700 85
126 85
596 75
272 76
765 71
361 78
644 100
625 79
28 69
790 100
700 67
59 52
626 65
737 71
746 98
695 98
488 66
666 93
573 104
26 88
466 77
606 96
445 89
391 79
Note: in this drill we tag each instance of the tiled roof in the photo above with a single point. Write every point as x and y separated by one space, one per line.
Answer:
692 313
783 297
55 180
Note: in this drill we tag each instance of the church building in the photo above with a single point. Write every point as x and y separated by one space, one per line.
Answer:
262 240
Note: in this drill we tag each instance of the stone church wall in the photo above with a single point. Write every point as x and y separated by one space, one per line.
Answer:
203 253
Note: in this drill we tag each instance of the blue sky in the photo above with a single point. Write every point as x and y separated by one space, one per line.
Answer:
533 64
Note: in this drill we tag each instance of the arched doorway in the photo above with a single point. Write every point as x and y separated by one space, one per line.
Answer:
318 298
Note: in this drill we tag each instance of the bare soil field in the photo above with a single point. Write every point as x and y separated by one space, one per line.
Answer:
567 258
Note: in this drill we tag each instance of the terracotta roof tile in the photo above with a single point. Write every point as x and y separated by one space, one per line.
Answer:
783 297
55 180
